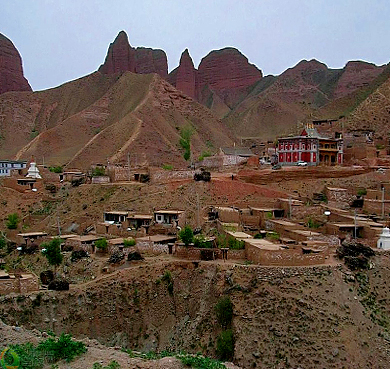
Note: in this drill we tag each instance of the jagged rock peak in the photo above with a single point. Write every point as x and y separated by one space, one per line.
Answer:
11 70
121 57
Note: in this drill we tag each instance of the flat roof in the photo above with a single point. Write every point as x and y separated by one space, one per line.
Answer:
239 234
336 189
120 212
263 209
284 223
87 238
227 208
304 232
32 234
140 216
293 201
169 211
263 244
26 180
13 161
346 225
157 238
65 236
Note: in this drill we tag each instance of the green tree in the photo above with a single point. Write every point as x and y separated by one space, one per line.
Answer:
53 253
12 221
186 235
225 345
224 311
129 242
185 141
101 244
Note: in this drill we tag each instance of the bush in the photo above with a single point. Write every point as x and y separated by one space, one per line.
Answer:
49 351
362 192
224 311
101 244
77 182
200 362
274 236
57 169
225 345
3 243
12 221
78 254
186 235
167 166
51 187
98 172
129 242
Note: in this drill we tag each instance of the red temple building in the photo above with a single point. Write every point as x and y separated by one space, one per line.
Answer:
310 147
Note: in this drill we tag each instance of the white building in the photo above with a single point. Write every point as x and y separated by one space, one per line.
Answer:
8 166
384 239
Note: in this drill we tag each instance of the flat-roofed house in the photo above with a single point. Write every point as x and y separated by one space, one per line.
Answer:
8 167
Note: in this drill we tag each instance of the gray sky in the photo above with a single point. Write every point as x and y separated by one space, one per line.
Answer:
61 40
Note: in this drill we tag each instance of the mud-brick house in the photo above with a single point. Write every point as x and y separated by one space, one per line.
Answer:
18 282
115 216
168 217
137 221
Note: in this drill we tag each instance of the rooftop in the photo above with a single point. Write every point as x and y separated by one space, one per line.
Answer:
237 151
32 234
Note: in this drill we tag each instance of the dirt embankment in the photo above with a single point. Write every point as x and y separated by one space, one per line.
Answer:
283 317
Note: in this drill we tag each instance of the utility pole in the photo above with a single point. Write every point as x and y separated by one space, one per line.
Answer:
383 202
128 166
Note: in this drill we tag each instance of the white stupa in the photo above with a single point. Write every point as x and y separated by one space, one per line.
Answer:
33 171
384 239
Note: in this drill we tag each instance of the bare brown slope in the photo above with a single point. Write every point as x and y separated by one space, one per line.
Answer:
26 114
139 114
276 106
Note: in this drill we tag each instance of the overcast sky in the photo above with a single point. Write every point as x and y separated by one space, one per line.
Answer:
61 40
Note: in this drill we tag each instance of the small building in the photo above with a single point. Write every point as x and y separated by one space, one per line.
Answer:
32 237
235 155
115 216
310 147
27 182
9 167
384 239
18 282
136 221
168 217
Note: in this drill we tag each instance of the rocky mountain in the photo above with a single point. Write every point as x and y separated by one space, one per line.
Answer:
122 57
11 70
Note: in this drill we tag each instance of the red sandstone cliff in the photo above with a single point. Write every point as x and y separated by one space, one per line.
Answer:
223 74
121 57
184 76
11 70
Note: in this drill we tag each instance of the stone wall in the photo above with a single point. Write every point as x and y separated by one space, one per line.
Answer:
193 253
291 257
27 283
170 175
101 179
375 206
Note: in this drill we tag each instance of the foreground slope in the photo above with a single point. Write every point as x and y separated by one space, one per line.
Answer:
102 118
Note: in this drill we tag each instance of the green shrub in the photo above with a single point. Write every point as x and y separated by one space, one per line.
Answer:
101 244
98 172
204 154
200 362
362 192
185 141
49 351
186 235
167 166
167 277
3 242
312 223
224 311
225 345
274 236
112 365
12 221
258 236
235 244
57 169
129 242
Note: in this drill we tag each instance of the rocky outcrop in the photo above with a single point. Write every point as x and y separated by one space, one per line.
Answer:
151 61
11 70
228 73
184 76
121 57
225 73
